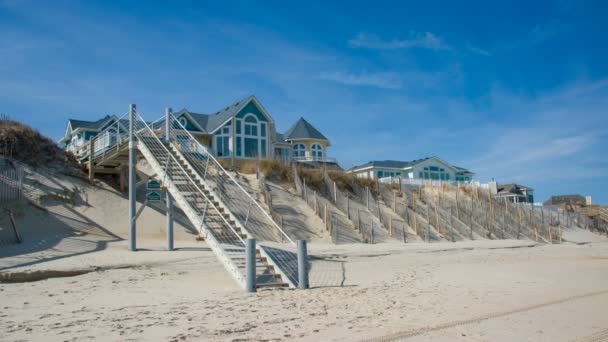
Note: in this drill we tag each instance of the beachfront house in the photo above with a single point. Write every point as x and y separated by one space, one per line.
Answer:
515 193
241 131
79 132
430 168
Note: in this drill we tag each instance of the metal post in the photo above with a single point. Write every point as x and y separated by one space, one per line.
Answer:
91 158
132 198
169 199
302 265
250 265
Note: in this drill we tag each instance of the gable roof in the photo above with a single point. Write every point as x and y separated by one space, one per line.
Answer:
90 125
512 188
208 123
396 164
302 129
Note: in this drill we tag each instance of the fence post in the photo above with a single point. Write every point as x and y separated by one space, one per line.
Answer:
348 207
325 217
390 226
395 201
471 217
302 265
335 193
457 211
367 196
250 266
452 225
519 225
415 216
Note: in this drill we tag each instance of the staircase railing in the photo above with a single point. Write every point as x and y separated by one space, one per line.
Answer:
147 131
243 206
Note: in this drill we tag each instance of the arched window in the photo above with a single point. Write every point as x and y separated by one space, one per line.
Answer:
183 121
317 151
251 126
299 150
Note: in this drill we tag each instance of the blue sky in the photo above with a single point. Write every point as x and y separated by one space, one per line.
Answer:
515 91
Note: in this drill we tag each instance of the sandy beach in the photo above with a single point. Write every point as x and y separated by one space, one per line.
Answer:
468 291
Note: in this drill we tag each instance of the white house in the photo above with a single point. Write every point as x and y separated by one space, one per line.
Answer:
432 168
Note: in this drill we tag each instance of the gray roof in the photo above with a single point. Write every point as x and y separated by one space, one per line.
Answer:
280 138
210 122
391 164
303 130
511 188
396 164
92 125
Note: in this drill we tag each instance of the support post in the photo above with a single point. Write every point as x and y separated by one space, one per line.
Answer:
302 265
132 198
169 199
91 158
250 266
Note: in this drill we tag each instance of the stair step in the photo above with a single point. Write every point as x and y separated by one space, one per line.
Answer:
271 285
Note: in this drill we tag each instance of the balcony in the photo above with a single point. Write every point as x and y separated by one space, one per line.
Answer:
311 159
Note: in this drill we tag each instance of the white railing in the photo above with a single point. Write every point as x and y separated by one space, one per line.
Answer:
171 161
315 159
242 205
431 182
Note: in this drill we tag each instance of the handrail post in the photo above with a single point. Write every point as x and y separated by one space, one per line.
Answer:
168 113
132 198
250 265
302 265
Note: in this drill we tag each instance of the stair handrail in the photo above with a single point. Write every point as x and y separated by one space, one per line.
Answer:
191 180
221 168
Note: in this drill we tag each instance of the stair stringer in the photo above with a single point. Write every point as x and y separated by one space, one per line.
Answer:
194 218
261 248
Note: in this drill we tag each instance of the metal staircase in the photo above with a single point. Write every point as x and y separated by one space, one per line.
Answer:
221 229
214 202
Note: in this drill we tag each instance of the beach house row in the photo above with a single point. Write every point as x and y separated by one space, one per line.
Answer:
243 130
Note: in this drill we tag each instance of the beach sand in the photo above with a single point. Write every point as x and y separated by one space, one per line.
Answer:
358 292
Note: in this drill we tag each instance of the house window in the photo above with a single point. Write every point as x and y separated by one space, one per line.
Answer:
299 150
251 147
380 174
251 137
183 121
317 151
251 125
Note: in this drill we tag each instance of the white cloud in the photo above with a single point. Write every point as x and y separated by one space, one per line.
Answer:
386 80
478 50
426 40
